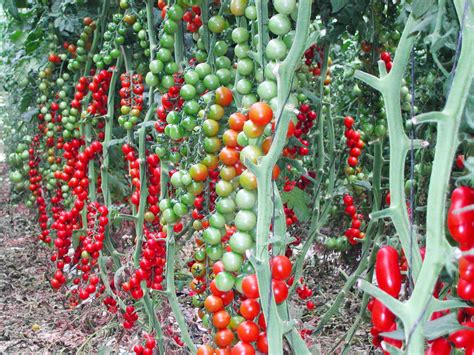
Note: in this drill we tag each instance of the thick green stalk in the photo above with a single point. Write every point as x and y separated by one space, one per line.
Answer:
389 85
413 313
263 172
171 291
448 122
104 169
367 254
317 221
142 146
140 216
262 30
318 140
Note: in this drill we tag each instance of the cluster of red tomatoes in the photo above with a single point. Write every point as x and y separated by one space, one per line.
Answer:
385 56
170 101
99 87
354 142
91 245
130 317
250 324
37 191
75 173
82 88
54 58
316 54
461 228
131 99
389 279
111 304
353 232
150 344
304 292
193 19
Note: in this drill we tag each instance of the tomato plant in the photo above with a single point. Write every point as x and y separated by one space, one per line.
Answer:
249 143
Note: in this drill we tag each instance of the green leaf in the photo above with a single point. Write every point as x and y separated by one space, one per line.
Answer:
442 326
115 141
17 35
75 237
337 5
420 7
28 115
364 184
396 334
12 9
468 115
296 199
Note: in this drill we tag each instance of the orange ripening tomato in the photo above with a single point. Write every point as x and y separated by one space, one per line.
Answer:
223 96
260 113
237 120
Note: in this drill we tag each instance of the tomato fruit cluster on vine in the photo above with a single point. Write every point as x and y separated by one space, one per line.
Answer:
223 133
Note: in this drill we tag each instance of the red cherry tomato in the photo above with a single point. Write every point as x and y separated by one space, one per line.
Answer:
461 225
248 331
387 271
249 309
260 113
281 267
280 291
382 318
440 346
250 286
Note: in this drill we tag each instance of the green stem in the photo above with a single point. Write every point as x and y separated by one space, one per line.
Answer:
262 29
140 217
263 173
104 169
436 243
371 234
171 291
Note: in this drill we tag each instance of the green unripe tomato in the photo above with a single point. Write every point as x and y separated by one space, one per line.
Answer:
245 66
240 35
241 51
285 7
223 188
203 69
156 66
225 205
245 199
187 92
152 79
267 90
217 220
214 252
224 75
220 48
240 242
223 63
191 77
232 261
244 86
212 236
175 12
279 24
216 24
275 49
251 12
224 281
211 82
245 220
191 107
